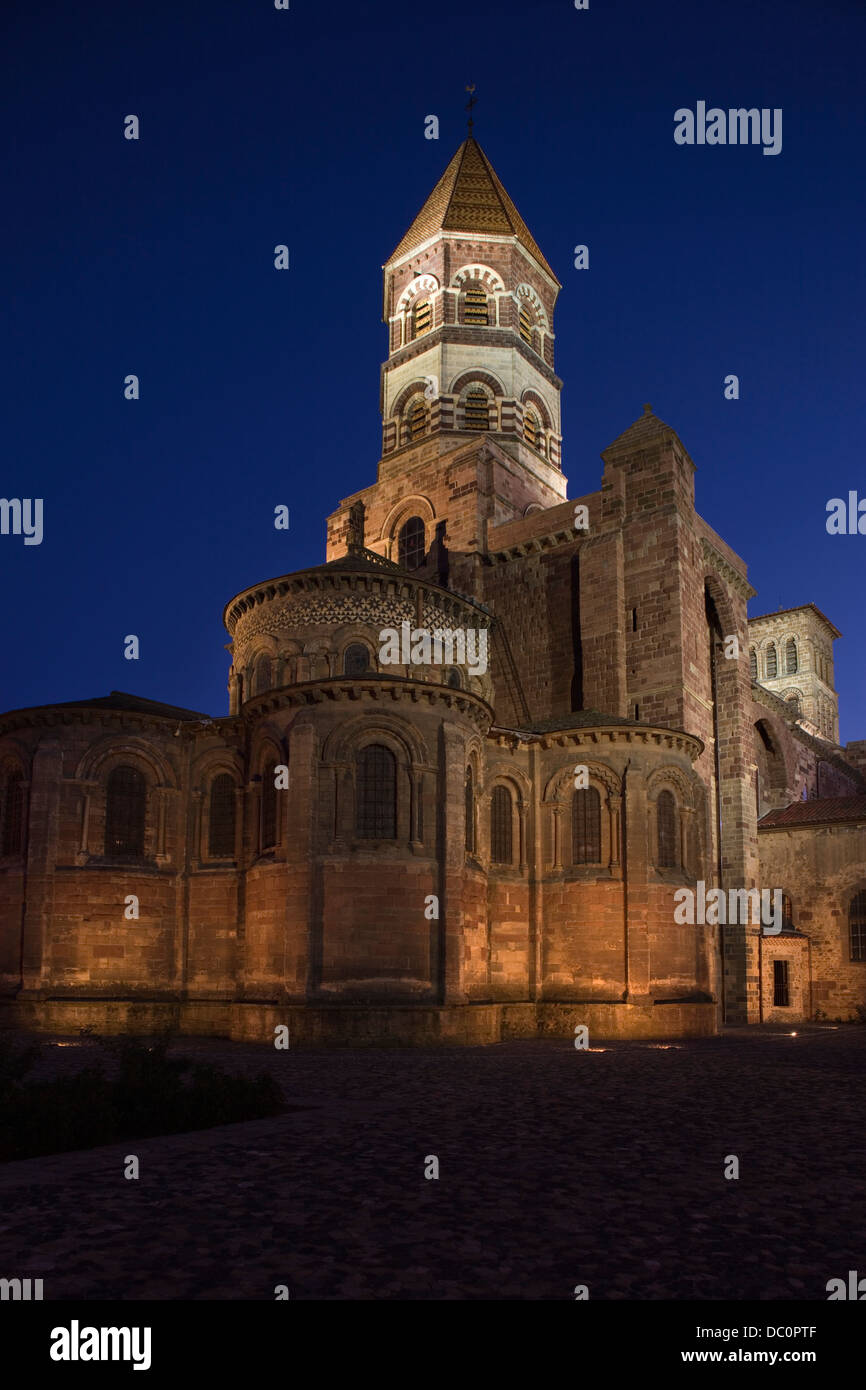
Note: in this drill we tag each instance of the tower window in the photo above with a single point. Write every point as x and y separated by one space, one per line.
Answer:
475 306
422 317
376 804
477 411
531 427
586 827
857 925
525 325
356 660
501 831
787 913
125 800
781 994
262 676
410 544
221 825
794 702
667 830
13 814
772 663
416 419
791 657
753 663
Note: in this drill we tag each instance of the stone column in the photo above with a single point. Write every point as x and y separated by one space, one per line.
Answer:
42 840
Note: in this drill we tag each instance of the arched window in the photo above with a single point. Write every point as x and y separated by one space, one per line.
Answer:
125 800
857 925
753 663
475 306
269 807
586 827
525 325
791 657
453 679
794 701
416 419
771 662
666 817
262 676
13 814
410 544
532 428
469 811
376 793
476 409
221 821
787 913
500 827
356 660
422 317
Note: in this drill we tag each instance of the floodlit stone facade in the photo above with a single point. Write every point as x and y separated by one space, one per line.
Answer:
480 825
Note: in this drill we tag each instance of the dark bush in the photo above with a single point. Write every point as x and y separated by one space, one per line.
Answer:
137 1091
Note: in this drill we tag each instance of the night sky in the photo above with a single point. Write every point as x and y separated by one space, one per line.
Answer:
260 387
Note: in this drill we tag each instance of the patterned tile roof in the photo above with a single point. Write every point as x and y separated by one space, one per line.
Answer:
469 197
822 811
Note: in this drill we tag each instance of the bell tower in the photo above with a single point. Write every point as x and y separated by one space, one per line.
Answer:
470 401
469 301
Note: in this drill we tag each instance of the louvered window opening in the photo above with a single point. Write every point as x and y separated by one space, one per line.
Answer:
423 317
475 307
772 663
477 411
526 326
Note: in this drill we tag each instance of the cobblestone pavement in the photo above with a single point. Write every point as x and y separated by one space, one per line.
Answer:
557 1168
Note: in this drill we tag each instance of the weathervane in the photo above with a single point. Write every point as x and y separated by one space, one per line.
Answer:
469 105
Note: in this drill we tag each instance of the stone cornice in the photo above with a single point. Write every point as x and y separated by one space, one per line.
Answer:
563 535
386 581
55 716
737 581
380 689
601 736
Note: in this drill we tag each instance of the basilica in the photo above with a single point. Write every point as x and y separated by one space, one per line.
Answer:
402 851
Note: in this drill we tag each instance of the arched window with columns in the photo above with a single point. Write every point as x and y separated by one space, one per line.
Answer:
221 817
125 809
376 793
667 856
586 826
12 833
501 826
270 817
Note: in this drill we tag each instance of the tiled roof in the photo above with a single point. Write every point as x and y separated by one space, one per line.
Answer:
119 699
647 427
469 197
822 811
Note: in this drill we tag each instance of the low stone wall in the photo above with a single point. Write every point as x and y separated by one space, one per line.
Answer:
335 1025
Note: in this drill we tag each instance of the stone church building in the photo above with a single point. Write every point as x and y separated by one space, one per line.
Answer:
407 845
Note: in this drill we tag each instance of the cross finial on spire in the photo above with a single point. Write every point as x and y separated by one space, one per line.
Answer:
469 105
647 410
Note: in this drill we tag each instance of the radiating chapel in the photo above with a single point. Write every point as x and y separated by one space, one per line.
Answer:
407 851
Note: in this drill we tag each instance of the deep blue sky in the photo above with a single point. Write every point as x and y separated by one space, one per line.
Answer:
307 127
